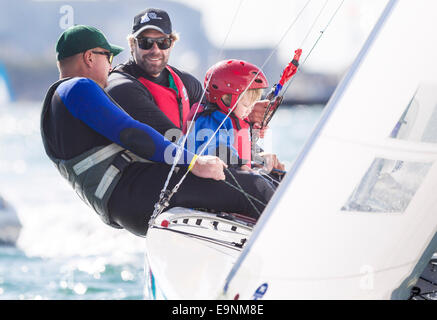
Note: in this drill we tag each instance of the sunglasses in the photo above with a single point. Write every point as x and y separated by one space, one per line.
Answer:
147 43
108 55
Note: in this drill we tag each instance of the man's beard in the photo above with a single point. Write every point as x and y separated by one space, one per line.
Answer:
152 69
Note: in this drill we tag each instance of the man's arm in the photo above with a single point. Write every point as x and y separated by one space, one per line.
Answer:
87 102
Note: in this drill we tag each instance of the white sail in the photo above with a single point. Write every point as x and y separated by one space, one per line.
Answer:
356 217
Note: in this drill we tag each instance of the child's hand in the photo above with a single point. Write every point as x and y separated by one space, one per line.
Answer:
271 161
257 113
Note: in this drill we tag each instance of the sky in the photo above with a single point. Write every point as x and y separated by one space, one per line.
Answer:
249 23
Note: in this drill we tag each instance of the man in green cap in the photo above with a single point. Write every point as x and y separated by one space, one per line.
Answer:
81 51
114 162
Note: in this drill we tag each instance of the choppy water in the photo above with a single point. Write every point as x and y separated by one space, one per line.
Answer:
64 251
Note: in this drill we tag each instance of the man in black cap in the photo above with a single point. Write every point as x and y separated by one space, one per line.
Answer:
148 88
116 164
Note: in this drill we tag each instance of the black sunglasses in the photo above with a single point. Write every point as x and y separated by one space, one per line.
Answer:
147 43
108 55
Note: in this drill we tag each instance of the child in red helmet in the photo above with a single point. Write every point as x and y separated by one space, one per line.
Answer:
230 85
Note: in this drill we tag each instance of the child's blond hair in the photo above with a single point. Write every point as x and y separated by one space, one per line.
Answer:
255 95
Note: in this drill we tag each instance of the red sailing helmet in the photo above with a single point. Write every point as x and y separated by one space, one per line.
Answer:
232 77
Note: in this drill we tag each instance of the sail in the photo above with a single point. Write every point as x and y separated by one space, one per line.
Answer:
356 216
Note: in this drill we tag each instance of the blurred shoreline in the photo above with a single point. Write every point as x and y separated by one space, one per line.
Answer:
28 53
30 82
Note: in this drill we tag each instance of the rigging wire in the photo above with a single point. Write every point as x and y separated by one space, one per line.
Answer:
271 54
218 58
250 83
253 79
182 142
248 196
165 192
322 32
230 244
255 135
262 173
273 51
271 113
313 25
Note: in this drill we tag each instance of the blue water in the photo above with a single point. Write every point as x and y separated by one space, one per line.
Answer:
64 251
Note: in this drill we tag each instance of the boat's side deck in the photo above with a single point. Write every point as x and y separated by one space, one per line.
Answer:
190 253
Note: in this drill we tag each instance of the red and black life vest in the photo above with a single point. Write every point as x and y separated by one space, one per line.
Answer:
174 105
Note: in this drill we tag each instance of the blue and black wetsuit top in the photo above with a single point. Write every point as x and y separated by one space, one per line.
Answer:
83 116
89 137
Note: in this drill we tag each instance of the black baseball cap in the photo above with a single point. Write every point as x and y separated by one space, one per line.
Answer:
152 18
81 38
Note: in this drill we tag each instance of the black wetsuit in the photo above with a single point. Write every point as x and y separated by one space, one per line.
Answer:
81 116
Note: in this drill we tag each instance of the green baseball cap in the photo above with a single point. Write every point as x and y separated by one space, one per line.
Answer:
81 38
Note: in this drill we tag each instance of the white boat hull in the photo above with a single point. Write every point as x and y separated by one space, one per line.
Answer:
191 257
